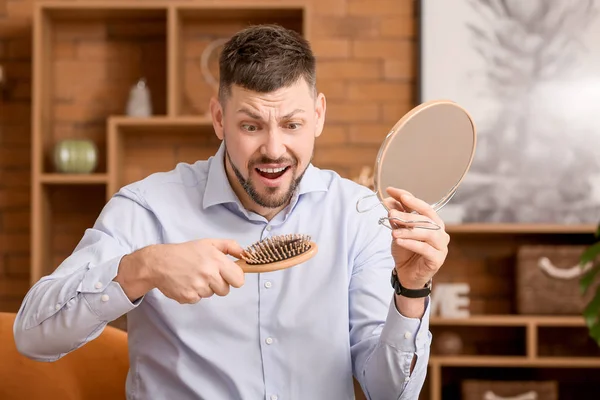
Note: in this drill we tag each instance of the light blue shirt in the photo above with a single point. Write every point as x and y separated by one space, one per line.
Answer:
293 334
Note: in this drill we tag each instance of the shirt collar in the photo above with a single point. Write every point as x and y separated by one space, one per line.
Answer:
219 191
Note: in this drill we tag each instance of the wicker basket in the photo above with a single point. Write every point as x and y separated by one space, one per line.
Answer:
548 280
509 390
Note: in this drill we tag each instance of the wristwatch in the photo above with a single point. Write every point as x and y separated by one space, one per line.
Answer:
411 293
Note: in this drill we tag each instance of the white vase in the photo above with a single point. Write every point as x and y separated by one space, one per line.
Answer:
139 103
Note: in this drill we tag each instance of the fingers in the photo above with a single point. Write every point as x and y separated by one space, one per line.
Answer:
400 219
439 240
188 297
427 251
411 203
221 276
232 273
206 270
230 247
393 204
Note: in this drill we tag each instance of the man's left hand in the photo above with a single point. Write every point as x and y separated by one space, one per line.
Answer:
418 253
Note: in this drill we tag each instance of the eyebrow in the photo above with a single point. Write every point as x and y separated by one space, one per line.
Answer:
258 117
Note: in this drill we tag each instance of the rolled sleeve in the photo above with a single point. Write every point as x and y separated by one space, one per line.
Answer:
106 297
407 334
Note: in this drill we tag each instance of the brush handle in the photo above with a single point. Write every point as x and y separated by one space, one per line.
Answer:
277 265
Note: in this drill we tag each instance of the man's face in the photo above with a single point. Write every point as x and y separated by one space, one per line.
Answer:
269 139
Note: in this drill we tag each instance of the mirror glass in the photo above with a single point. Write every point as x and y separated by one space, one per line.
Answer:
427 153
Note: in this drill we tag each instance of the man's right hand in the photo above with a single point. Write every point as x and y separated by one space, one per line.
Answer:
185 272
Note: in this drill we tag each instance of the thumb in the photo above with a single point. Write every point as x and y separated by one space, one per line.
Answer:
227 246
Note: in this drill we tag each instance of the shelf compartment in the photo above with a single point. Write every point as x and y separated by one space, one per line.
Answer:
474 340
573 383
566 341
195 27
141 147
488 264
89 57
66 211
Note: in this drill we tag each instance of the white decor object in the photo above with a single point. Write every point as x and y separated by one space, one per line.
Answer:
451 300
139 103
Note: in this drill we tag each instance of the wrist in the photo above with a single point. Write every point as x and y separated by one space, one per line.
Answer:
410 282
136 274
410 308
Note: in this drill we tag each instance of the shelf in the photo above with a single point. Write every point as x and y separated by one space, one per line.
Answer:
522 228
73 179
509 320
508 361
160 122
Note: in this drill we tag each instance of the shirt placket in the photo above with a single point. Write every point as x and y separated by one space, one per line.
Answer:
268 338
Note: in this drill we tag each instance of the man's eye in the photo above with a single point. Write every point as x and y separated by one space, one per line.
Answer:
249 128
294 126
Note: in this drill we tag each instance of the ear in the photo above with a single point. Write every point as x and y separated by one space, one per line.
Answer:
321 106
216 112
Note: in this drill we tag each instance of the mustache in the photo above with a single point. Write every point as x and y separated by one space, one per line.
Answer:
292 162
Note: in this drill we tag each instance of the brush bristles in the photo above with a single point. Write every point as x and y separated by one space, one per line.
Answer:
277 248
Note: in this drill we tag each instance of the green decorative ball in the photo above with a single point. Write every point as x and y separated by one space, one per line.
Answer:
75 156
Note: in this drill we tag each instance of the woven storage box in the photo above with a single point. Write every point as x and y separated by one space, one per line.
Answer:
547 280
513 390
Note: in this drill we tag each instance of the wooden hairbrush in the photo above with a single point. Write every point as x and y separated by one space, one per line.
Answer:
277 252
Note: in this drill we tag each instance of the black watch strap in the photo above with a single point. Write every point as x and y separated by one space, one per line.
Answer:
411 293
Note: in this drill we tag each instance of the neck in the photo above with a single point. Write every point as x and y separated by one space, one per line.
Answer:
245 199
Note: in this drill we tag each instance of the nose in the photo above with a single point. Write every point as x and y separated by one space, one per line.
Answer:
274 147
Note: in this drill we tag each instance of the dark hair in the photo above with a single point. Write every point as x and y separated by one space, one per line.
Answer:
264 58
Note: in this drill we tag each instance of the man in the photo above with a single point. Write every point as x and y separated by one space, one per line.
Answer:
163 246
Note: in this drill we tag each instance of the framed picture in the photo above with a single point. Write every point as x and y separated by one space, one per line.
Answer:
529 74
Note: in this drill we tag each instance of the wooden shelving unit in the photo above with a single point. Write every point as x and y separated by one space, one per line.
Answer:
116 43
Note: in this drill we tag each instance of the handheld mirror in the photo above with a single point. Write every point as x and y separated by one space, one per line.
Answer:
427 153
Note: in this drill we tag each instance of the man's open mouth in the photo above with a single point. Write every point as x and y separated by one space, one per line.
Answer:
272 173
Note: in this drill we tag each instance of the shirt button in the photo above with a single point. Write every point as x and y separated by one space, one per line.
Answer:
98 285
273 397
268 284
407 335
104 297
269 340
268 228
407 379
57 307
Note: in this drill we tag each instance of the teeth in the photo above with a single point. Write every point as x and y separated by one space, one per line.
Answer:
271 170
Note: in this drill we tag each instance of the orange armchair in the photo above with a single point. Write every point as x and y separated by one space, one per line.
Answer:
97 370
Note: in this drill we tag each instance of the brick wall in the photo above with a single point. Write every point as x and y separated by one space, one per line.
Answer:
365 67
15 57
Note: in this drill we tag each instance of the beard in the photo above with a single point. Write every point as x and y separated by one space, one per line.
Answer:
270 199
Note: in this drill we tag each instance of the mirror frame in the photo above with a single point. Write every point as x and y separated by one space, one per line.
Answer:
396 129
